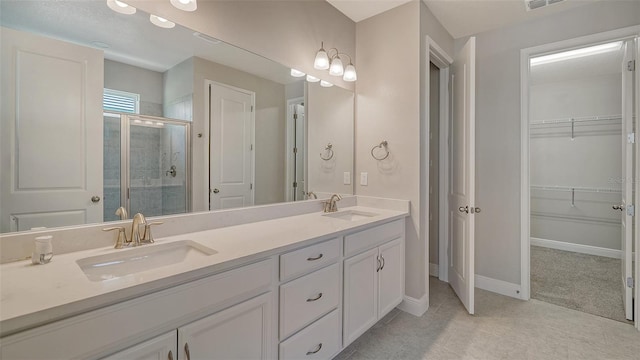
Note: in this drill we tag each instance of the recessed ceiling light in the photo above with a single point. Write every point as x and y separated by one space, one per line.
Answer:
297 73
120 7
161 22
576 53
186 5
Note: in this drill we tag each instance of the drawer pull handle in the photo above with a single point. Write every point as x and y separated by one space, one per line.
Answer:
316 350
379 264
170 356
315 258
315 298
186 351
382 267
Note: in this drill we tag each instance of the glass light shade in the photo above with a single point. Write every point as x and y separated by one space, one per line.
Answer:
336 68
297 73
350 73
186 5
161 22
325 84
322 60
312 78
120 7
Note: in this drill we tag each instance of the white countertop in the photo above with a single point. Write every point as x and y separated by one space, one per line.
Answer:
33 295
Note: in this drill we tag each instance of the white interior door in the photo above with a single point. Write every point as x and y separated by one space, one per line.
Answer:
300 156
231 161
462 186
626 204
51 132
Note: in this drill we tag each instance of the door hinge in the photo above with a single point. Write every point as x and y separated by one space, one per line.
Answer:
251 186
295 184
251 147
630 282
295 116
251 108
295 150
631 65
631 138
631 210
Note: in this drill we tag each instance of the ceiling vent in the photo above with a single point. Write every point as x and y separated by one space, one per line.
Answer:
537 4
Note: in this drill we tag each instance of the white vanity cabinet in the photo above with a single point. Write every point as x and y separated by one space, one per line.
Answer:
162 347
373 279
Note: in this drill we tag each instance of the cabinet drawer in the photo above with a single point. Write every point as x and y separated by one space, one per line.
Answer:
307 259
321 340
370 238
308 298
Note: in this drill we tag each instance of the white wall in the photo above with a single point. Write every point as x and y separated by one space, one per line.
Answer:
330 116
178 91
133 79
288 32
270 115
390 106
498 123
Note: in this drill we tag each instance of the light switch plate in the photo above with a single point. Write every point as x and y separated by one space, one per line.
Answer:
346 178
364 178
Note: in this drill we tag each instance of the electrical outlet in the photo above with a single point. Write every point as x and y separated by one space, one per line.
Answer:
346 178
364 178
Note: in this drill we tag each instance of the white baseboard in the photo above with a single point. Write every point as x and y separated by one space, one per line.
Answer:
578 248
413 306
498 286
434 270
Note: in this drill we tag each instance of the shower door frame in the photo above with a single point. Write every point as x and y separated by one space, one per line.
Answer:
125 158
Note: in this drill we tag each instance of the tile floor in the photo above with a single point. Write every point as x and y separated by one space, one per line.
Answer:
503 328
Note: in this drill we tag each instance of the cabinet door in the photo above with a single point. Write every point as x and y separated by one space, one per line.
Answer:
360 294
162 347
391 279
243 331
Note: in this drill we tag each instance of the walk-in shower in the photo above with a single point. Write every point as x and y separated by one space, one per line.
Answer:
146 165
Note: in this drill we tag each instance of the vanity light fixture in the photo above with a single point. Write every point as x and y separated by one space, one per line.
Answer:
161 22
325 84
120 7
332 60
297 73
312 78
186 5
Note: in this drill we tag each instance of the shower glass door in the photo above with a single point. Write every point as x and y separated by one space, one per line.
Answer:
158 166
146 165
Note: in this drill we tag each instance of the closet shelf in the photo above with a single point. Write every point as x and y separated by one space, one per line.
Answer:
569 121
576 188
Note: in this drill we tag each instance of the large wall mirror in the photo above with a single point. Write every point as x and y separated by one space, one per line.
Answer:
104 112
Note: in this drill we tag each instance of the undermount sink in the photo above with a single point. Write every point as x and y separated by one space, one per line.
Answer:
350 215
147 257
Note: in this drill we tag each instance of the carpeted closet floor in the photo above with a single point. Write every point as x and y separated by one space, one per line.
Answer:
586 283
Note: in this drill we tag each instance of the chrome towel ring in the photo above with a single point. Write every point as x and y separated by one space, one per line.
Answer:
381 145
329 151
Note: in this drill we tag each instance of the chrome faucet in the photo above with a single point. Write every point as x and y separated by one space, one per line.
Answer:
331 204
122 212
137 237
311 194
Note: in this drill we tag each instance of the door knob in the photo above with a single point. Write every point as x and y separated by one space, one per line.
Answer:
464 209
215 191
95 198
475 210
618 207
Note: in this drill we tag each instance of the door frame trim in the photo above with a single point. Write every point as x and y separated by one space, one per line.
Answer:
289 175
525 211
207 130
440 58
